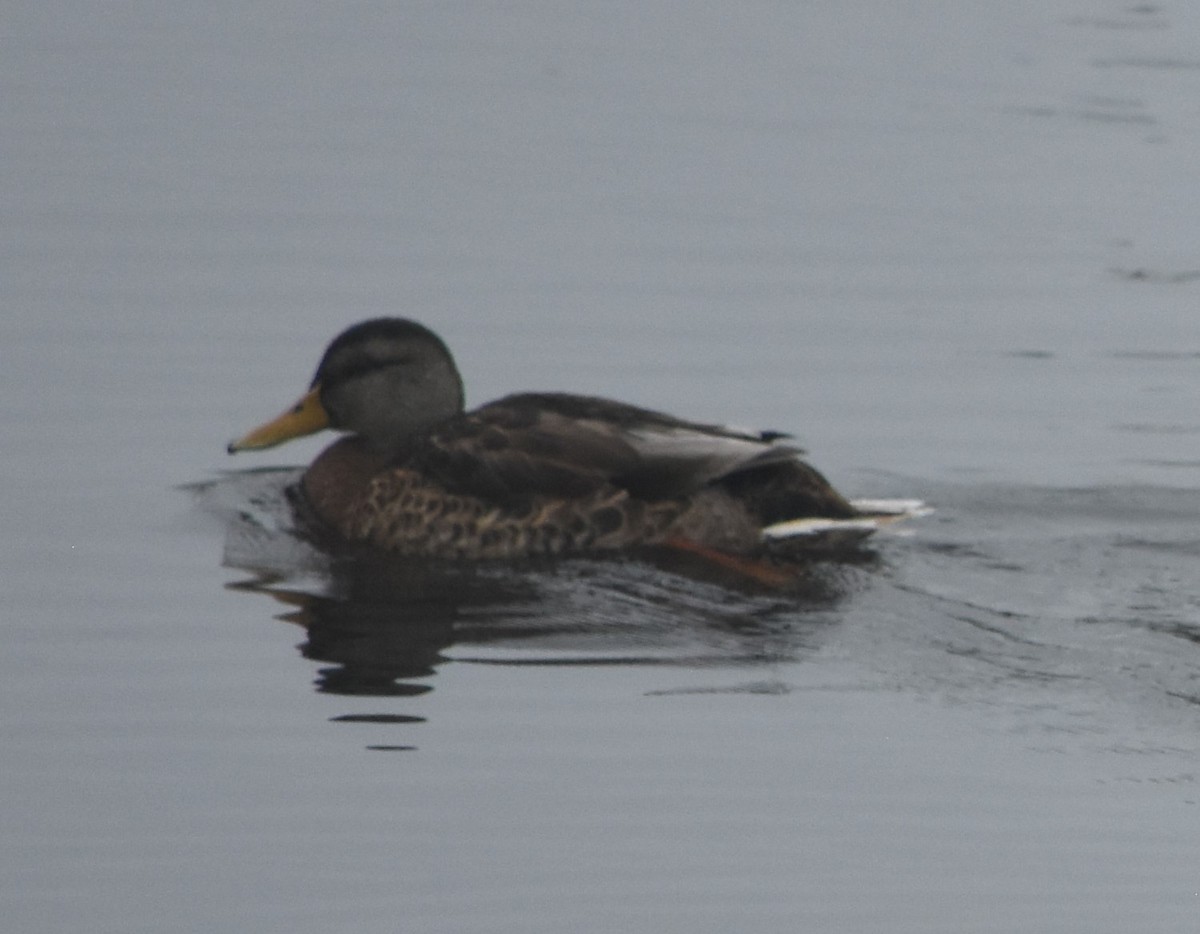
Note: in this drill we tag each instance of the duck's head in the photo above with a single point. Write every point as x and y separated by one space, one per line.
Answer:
385 380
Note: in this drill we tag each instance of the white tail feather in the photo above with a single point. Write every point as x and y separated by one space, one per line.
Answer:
876 513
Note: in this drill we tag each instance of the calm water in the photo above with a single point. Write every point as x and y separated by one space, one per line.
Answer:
952 247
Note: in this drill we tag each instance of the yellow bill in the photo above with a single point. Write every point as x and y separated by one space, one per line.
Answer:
304 418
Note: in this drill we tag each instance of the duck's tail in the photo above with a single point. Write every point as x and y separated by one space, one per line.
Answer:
836 534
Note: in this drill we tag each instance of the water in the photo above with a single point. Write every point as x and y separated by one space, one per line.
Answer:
951 247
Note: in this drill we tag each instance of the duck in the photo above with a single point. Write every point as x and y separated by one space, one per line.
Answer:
540 473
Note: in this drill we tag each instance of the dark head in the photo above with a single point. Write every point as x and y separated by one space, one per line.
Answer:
385 380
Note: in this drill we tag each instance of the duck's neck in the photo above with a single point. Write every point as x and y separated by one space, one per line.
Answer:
337 480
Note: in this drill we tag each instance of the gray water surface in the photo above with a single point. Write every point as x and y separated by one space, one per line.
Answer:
952 247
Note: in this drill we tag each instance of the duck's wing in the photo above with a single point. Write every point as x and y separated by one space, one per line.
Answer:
565 445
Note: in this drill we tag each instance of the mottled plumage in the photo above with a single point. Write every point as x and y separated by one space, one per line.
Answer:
535 473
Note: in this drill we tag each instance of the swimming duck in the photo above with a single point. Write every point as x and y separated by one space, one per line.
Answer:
538 473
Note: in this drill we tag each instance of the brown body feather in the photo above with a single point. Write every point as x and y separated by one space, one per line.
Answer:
554 474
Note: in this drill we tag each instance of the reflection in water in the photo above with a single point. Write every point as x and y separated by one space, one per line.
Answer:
384 625
1037 598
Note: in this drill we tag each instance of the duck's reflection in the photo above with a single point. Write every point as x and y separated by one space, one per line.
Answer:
382 627
385 626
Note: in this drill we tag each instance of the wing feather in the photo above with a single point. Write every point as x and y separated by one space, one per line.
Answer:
565 445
